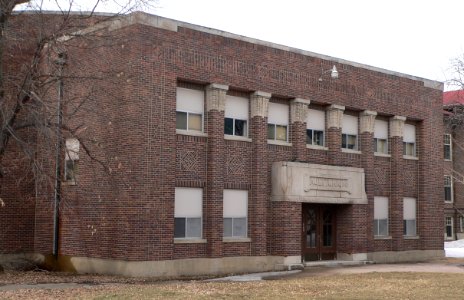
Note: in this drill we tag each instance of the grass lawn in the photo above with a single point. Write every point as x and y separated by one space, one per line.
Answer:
351 286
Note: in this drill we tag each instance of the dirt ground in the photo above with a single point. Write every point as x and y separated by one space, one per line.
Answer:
430 280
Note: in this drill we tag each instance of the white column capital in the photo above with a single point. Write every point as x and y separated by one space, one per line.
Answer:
299 110
216 97
259 104
367 121
335 116
397 126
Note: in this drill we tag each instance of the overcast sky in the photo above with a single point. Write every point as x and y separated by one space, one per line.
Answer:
409 36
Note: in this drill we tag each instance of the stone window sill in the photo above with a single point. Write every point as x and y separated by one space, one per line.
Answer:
191 132
69 182
189 241
351 151
236 240
410 157
317 147
412 237
449 202
380 154
448 159
237 138
382 237
279 143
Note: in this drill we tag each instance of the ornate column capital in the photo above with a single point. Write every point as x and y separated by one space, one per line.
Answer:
299 110
367 120
216 97
335 116
259 104
397 126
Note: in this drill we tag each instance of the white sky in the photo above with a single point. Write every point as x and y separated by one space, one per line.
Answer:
409 36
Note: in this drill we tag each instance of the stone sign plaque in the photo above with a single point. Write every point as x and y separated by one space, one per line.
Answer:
312 183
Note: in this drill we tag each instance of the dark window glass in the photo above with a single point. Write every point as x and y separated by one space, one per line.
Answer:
179 227
447 152
318 138
70 168
270 131
229 126
240 127
181 120
447 193
309 136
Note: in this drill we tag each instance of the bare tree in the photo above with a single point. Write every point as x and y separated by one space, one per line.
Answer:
36 118
33 52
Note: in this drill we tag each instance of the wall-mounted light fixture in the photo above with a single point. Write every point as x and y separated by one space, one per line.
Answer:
333 72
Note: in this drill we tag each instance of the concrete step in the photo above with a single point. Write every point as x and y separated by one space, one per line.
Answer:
336 263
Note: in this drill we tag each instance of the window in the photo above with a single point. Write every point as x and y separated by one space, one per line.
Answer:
380 216
189 110
277 127
235 209
236 116
71 159
350 132
448 189
188 213
315 126
447 146
449 227
461 224
409 140
409 216
381 136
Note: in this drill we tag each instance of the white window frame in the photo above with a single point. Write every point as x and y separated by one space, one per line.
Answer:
234 213
448 182
315 121
378 211
448 141
184 195
407 216
449 222
380 135
234 110
350 121
409 138
199 111
72 146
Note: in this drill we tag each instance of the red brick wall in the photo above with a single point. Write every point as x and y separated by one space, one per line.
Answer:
130 125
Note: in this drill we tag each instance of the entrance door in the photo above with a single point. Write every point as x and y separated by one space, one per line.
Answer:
319 232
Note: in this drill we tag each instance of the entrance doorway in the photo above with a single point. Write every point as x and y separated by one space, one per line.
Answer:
319 232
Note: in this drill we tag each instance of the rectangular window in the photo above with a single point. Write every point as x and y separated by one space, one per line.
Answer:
188 213
71 159
235 212
315 127
381 136
380 216
461 224
189 109
409 216
448 188
449 227
236 116
277 127
409 140
350 132
447 146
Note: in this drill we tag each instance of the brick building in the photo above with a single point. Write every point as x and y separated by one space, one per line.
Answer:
453 165
230 154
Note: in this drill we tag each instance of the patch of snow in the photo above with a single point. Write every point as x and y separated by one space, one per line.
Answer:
455 244
454 248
